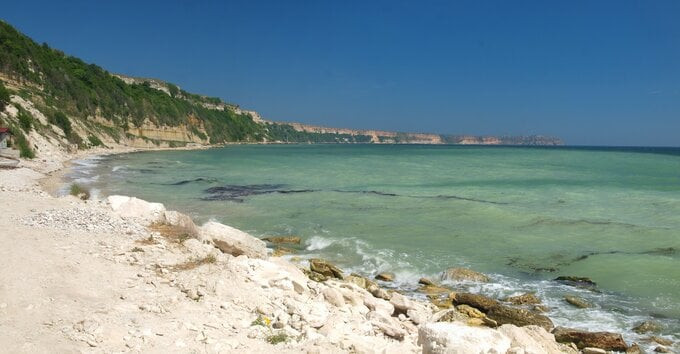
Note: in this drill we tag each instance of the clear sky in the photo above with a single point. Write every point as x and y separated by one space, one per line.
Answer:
592 72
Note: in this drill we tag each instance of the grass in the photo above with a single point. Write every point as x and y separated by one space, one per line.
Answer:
79 191
277 338
195 263
137 249
95 141
174 233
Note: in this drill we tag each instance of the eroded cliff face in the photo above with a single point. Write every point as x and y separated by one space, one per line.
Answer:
181 133
377 136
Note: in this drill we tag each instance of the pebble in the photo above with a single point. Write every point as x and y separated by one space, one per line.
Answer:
85 219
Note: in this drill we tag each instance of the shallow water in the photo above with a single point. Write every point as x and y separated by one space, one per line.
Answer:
523 215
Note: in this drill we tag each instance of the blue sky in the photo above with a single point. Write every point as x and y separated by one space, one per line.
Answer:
591 72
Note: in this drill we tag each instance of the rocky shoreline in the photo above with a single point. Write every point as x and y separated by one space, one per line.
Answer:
123 274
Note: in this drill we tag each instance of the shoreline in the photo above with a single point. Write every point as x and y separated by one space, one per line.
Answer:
373 318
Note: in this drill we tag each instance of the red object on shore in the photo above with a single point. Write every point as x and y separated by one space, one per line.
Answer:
4 130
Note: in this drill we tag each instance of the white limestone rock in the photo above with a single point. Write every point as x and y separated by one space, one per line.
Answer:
233 241
137 209
457 338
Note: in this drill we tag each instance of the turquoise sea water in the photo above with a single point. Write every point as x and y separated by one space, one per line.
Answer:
522 215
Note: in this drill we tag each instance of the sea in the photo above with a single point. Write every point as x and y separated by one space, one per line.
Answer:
522 215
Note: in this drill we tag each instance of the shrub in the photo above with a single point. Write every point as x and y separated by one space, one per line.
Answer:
80 191
25 120
277 338
94 141
61 120
4 96
21 141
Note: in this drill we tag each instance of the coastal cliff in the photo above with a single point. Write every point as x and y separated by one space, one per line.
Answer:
50 98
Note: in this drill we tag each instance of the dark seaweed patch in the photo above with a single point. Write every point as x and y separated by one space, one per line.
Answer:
187 181
387 194
466 199
668 251
238 193
368 192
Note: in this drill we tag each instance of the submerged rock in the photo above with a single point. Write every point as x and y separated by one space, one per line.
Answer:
580 282
282 239
524 299
325 268
434 290
385 277
282 251
647 326
634 349
425 281
583 339
577 301
660 340
458 274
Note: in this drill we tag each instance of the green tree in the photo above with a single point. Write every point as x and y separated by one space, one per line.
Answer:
4 97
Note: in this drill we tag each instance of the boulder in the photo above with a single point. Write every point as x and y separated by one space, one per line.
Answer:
582 339
175 218
385 277
577 301
589 350
334 297
379 292
470 311
378 305
475 300
282 239
463 274
401 303
233 241
137 209
314 275
387 324
662 349
518 317
524 299
449 315
534 340
647 326
325 268
362 282
454 337
198 249
425 281
418 315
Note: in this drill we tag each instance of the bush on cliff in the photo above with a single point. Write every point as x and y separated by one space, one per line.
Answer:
4 97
